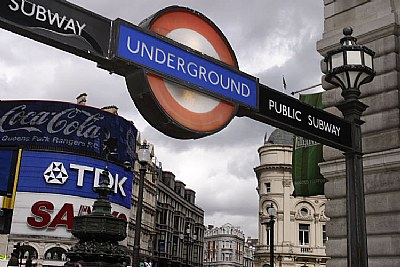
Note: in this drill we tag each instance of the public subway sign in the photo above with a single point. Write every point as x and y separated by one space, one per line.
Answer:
185 66
59 24
294 116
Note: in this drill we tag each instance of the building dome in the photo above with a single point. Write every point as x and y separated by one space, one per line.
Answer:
280 137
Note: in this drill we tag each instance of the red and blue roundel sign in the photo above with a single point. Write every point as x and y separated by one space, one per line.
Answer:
172 108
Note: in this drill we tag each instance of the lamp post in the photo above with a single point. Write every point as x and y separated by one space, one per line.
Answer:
272 215
187 232
189 242
144 159
348 67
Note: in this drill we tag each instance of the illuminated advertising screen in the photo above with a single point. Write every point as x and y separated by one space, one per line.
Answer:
44 214
54 187
8 161
67 174
61 126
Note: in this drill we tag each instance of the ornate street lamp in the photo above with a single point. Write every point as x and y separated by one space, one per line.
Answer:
144 160
190 239
348 67
272 215
187 245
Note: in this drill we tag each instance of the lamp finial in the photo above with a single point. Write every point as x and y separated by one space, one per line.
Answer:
348 31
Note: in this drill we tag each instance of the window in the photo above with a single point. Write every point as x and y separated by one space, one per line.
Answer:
268 187
324 237
56 253
175 246
28 250
304 234
304 212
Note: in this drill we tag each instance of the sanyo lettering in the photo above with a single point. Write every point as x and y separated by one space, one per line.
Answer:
42 14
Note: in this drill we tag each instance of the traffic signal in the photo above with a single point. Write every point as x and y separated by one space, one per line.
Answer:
17 249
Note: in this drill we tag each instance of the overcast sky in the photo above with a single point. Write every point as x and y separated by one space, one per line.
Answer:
271 38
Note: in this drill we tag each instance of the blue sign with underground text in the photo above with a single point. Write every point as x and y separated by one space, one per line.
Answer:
173 61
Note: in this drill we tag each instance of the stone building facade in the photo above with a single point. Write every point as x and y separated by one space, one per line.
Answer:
376 25
299 229
179 224
224 246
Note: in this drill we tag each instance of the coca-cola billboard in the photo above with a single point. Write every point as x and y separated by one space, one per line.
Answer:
61 126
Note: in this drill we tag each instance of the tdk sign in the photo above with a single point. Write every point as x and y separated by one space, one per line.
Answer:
67 174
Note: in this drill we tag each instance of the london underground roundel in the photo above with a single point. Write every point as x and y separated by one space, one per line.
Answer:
178 111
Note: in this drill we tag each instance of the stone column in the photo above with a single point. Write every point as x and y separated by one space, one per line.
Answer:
376 25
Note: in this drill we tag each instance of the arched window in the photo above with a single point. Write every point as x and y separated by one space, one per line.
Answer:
56 254
28 251
304 212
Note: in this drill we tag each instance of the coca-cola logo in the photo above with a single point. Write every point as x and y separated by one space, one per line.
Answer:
70 121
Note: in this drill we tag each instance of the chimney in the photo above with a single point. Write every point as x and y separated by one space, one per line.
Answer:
112 109
81 99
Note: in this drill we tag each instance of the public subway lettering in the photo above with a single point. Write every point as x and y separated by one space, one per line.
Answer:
296 115
42 14
284 110
323 125
69 121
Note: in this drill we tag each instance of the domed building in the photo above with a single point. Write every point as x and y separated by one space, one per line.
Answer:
299 228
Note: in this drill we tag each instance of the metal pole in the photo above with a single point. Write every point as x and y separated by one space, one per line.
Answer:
305 89
138 223
357 252
271 248
187 252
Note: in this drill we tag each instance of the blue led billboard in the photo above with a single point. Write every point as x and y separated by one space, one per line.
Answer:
61 126
8 161
67 174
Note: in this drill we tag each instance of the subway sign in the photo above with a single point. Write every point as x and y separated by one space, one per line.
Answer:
302 119
60 24
185 66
